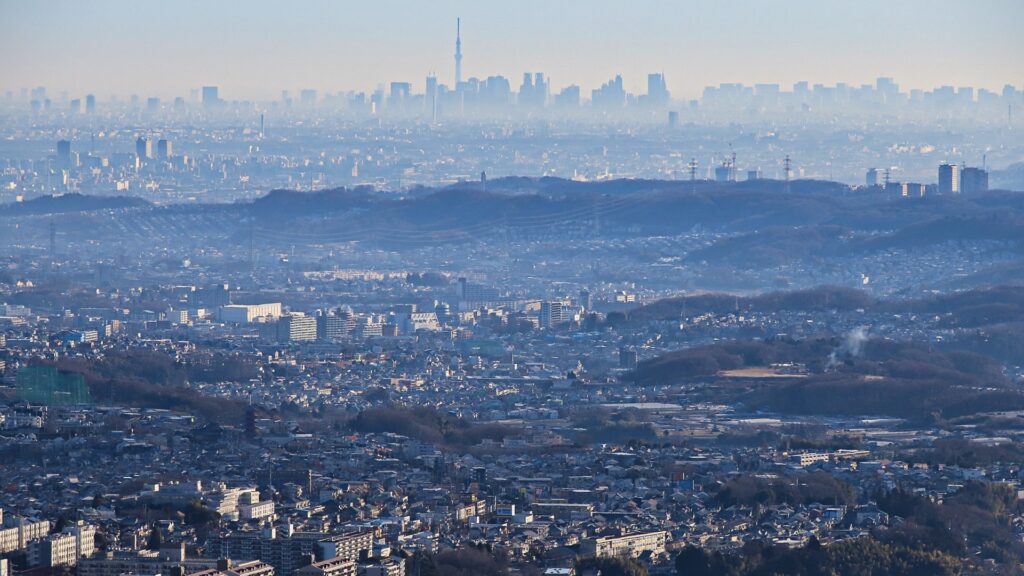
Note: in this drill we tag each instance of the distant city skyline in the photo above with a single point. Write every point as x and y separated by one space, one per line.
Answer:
203 95
256 49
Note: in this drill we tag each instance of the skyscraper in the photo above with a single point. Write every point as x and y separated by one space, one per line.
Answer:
64 153
144 148
495 92
90 103
458 52
871 178
569 97
949 180
657 91
887 89
534 90
611 94
973 180
430 98
211 97
401 93
164 149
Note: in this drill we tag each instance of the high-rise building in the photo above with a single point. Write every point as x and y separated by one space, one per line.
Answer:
333 326
164 149
211 97
368 326
871 178
534 90
540 89
912 189
400 94
290 551
90 103
64 154
64 548
887 89
552 314
307 97
657 91
569 97
973 180
296 328
468 291
586 301
949 179
144 148
611 94
533 93
430 98
495 92
17 532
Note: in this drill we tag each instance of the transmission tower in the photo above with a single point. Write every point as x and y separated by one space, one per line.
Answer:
786 166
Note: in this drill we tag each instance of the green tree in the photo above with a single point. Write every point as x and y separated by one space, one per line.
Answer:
693 561
197 515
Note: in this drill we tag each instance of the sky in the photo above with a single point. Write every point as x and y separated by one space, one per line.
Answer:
254 49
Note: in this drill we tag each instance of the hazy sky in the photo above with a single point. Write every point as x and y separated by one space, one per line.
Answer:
256 48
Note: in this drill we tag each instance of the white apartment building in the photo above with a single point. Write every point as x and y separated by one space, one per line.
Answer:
629 545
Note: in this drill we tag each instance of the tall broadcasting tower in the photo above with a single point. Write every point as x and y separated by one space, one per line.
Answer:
458 51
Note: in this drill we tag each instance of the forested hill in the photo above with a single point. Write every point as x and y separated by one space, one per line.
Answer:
65 203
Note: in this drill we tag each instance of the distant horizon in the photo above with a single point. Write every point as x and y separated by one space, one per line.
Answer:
514 81
245 47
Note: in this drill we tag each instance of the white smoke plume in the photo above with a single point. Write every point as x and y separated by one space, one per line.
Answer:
852 346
